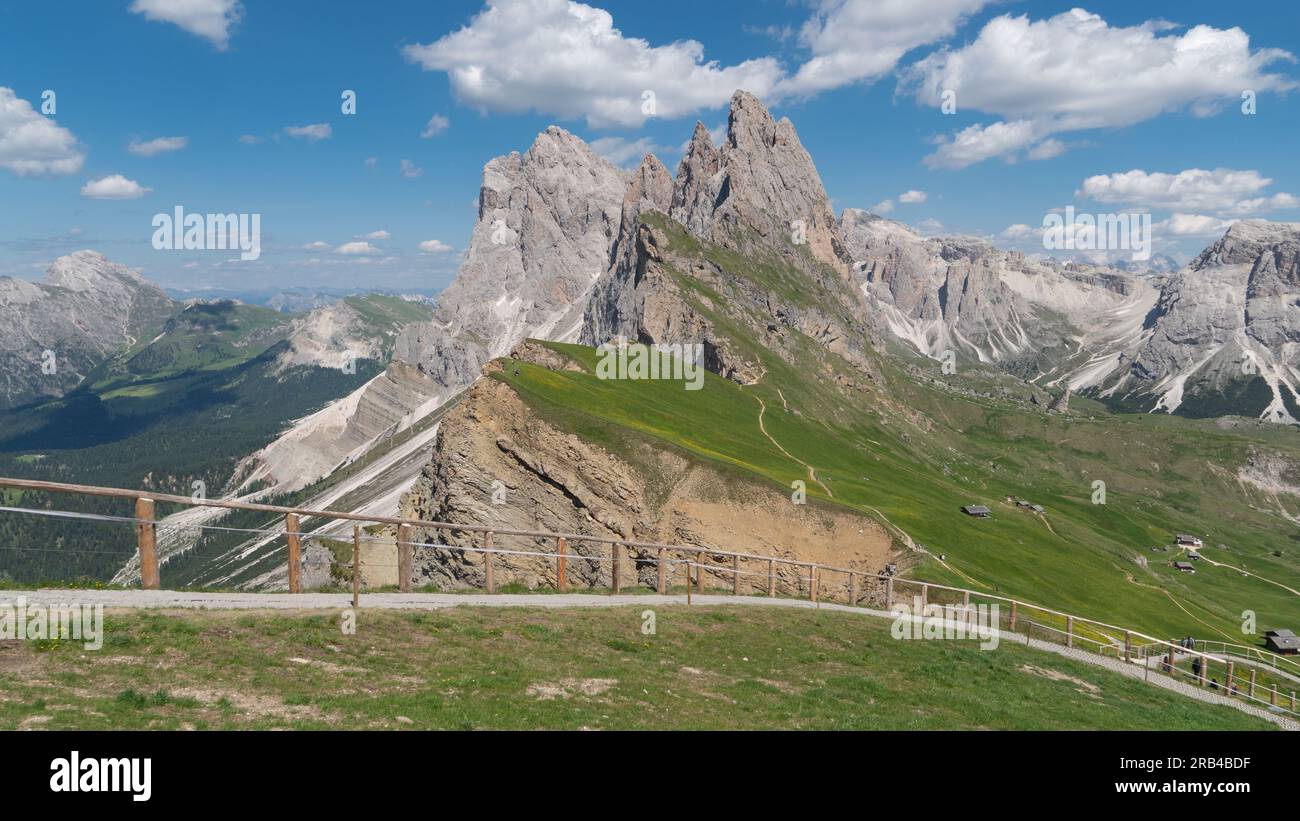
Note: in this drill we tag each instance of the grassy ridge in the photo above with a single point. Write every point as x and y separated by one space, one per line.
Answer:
913 445
1162 475
487 668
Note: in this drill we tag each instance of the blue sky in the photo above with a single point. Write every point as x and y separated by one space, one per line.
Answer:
1141 101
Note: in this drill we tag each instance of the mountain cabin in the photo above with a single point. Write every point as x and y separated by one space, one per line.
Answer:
1282 641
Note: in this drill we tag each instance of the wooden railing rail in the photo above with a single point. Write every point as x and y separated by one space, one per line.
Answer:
811 575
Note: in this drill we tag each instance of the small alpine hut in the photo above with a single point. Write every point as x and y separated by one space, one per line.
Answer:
1282 641
978 511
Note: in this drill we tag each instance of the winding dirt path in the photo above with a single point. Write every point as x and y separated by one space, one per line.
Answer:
812 472
1208 560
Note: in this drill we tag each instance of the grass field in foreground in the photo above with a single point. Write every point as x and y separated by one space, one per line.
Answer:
488 668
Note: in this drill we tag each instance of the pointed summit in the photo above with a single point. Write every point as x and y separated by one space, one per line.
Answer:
761 179
547 219
695 189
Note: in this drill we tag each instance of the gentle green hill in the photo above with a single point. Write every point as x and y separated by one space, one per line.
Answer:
507 668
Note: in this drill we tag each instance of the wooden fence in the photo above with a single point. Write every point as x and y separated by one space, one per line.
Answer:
818 582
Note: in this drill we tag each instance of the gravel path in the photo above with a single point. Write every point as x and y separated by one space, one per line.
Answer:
171 599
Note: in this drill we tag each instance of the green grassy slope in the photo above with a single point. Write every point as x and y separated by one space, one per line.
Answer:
490 668
912 453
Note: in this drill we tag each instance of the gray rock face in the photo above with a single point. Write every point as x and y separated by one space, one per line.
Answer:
759 196
762 179
1225 334
83 310
612 306
547 221
966 296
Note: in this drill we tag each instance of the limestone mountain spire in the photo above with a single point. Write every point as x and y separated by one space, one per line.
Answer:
760 179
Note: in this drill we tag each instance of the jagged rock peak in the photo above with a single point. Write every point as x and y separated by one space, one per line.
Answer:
652 183
761 179
651 189
695 188
547 222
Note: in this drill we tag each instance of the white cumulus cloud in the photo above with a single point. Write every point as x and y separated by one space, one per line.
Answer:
32 144
1223 191
313 132
434 246
567 59
380 234
861 40
1193 225
1074 71
626 153
977 143
410 170
160 145
436 125
209 19
912 197
359 248
113 187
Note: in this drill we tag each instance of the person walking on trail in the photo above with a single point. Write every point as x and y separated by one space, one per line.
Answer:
1196 667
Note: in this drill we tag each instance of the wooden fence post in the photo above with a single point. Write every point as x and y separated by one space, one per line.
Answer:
1251 691
1013 617
146 536
735 575
405 535
1069 631
853 590
1128 646
1205 671
1293 701
489 564
812 582
1273 698
663 572
1228 684
771 579
561 568
356 565
1171 661
615 554
699 573
688 579
291 531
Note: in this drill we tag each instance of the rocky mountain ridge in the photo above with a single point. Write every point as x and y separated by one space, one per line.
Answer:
83 309
1224 336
